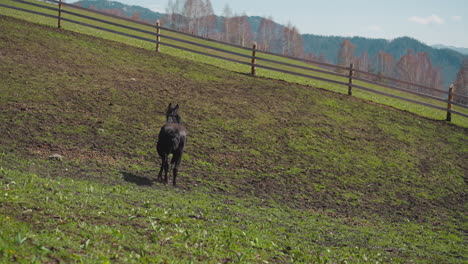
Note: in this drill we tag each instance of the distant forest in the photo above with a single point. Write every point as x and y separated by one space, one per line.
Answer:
403 58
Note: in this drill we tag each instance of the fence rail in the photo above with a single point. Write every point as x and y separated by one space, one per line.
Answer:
254 60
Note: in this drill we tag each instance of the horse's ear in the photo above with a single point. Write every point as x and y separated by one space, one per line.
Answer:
170 106
176 107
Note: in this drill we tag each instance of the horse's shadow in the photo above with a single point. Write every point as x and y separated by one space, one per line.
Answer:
138 180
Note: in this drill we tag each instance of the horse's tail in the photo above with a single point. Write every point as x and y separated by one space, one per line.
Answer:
179 144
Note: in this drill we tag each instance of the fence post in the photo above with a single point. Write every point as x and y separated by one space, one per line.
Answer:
254 59
158 37
350 82
59 22
449 103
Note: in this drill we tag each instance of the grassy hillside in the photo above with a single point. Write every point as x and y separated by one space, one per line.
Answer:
414 108
274 172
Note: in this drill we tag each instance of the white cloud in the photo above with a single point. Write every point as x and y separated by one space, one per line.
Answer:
433 19
457 18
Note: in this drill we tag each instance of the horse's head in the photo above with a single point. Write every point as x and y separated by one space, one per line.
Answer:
172 114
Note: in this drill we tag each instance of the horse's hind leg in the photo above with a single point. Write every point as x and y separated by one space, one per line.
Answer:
174 172
164 165
166 169
176 162
161 169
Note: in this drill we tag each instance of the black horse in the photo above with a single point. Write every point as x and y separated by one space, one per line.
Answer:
172 139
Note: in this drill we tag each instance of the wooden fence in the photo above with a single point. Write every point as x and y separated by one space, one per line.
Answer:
254 60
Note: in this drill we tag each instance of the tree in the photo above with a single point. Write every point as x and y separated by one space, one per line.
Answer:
266 34
310 56
461 83
199 15
113 11
404 67
208 20
385 64
362 63
417 68
191 11
136 16
241 33
173 16
191 16
292 42
346 53
228 26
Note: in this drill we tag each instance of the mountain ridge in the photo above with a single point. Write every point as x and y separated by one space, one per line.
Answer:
449 61
462 50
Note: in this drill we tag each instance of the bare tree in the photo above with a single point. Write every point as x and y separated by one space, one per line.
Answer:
404 67
228 27
385 64
136 16
362 63
194 12
461 83
173 17
417 68
242 31
310 56
292 41
112 11
345 53
191 16
322 58
208 24
266 34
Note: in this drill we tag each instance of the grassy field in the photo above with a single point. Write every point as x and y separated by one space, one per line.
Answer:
403 105
274 172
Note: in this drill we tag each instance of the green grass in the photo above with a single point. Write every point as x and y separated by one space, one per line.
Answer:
274 172
403 105
87 222
81 221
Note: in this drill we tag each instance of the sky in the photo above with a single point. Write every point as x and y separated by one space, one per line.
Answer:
429 21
